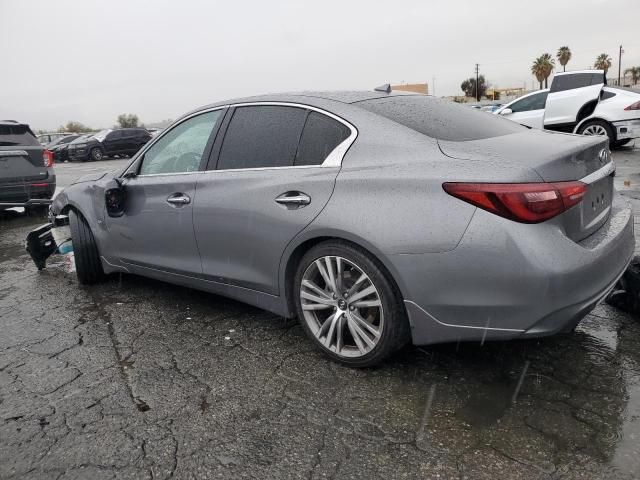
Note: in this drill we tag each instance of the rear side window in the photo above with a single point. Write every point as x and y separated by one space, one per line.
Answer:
576 80
262 136
17 135
441 119
321 135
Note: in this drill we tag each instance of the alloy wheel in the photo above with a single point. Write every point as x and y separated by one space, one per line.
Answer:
341 306
595 130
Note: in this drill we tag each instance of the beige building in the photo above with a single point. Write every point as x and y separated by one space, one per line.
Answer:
412 87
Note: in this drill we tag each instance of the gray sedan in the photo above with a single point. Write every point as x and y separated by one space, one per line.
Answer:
376 218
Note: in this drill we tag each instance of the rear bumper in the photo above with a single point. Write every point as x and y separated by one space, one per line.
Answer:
509 280
37 192
627 129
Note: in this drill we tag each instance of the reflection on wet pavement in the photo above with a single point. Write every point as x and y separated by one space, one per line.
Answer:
136 378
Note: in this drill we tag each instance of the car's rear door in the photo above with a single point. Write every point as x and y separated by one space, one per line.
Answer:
568 94
271 174
156 230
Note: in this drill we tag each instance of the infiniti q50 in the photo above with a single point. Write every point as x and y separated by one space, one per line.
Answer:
376 218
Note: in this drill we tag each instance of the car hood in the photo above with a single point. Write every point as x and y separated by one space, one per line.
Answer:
91 177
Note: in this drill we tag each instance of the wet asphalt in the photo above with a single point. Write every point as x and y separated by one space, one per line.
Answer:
135 378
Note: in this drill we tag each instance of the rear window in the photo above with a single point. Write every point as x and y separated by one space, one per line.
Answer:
441 119
16 135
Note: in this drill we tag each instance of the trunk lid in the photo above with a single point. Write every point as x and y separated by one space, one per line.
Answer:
555 157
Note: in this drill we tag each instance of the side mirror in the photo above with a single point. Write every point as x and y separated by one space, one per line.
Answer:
506 111
115 197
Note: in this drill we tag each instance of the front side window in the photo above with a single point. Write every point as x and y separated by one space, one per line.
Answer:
181 149
321 135
532 102
262 136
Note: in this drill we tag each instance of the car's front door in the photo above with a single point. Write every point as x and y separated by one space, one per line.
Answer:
112 143
156 230
270 176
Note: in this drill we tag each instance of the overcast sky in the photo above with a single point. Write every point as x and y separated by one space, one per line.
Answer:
91 60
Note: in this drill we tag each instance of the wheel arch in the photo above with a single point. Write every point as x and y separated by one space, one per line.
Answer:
303 244
592 119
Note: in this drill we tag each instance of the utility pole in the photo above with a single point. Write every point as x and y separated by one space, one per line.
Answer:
477 86
620 63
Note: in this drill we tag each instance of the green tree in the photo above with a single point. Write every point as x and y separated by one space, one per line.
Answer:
74 127
542 68
128 120
635 74
469 86
563 55
603 62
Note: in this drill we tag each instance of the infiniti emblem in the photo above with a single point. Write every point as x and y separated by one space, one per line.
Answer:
604 156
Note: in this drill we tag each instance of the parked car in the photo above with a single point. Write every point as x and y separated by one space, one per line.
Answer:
490 108
580 102
45 138
27 178
107 143
375 218
59 147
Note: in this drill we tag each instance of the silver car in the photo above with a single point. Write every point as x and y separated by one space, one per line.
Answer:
376 218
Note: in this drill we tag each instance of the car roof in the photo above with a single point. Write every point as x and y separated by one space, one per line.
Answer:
345 96
560 74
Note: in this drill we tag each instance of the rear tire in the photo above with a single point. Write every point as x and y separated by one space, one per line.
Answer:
88 265
380 314
599 127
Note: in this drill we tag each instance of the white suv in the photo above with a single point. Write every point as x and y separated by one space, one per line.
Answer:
580 102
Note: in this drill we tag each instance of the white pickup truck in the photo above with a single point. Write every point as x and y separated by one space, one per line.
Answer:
580 102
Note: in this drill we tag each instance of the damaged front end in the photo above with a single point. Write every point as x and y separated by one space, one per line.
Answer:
41 242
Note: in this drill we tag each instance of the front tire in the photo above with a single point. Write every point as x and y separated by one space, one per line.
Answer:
88 265
348 305
97 154
599 127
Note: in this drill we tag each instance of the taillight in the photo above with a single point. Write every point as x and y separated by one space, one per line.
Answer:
522 202
634 106
47 156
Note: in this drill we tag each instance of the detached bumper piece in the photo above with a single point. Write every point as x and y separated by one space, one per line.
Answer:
40 243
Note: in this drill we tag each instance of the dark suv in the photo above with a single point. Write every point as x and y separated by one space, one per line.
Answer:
26 168
107 143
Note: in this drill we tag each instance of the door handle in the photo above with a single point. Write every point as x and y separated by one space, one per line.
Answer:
178 199
294 199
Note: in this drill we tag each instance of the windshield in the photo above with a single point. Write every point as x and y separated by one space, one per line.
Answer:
101 135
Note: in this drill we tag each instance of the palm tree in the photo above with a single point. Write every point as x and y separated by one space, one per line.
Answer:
538 69
603 62
563 56
635 74
550 64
